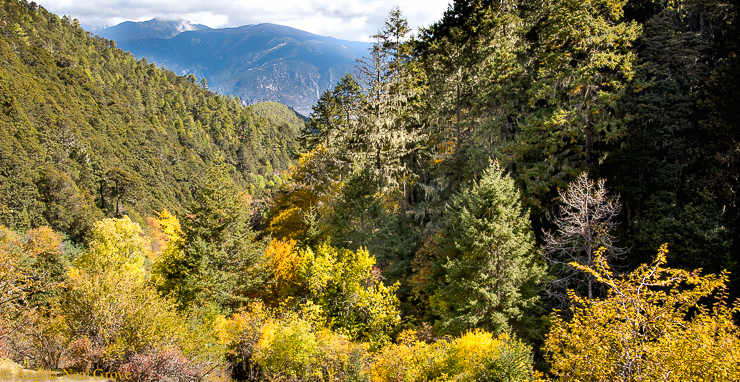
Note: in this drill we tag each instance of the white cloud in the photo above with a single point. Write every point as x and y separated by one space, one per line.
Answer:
344 19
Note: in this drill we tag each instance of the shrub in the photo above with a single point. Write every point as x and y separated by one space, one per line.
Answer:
240 335
475 356
261 344
409 360
288 350
116 316
160 366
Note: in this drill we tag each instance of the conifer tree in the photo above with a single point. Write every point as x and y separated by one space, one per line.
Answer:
475 85
220 251
358 213
580 61
386 138
334 117
492 271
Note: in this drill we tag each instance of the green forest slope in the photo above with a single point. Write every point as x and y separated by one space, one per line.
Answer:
86 130
482 202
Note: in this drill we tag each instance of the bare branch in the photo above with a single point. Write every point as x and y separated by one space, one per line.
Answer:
585 223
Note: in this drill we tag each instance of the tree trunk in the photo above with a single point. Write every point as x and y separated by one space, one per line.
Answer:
590 277
588 143
457 115
377 157
102 196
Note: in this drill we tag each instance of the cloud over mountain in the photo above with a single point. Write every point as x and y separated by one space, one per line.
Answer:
344 19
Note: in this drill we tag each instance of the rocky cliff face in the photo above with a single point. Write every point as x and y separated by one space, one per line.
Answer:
253 62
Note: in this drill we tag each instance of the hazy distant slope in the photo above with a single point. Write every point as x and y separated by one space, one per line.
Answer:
265 61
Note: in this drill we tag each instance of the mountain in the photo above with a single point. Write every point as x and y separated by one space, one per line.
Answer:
253 62
87 130
155 28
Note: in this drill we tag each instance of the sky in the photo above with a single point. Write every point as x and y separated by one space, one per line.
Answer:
354 20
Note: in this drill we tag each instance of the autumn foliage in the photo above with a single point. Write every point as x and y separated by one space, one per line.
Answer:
443 215
654 325
474 356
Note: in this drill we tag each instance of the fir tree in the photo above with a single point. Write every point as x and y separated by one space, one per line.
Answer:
220 252
580 61
334 117
492 271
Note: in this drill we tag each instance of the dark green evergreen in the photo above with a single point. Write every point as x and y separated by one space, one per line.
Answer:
220 251
492 271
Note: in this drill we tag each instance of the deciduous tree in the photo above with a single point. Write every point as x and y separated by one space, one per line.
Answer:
348 288
586 222
651 326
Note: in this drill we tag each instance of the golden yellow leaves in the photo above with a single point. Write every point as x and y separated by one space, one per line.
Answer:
283 261
283 345
311 189
282 256
476 355
18 281
650 327
347 287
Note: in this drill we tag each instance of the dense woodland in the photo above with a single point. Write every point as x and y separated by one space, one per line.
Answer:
524 190
89 132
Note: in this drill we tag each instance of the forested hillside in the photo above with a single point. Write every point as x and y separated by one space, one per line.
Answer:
88 131
641 94
528 190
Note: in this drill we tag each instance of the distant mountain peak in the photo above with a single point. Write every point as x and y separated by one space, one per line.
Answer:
254 62
155 28
176 25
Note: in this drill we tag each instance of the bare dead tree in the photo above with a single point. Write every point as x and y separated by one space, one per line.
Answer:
585 224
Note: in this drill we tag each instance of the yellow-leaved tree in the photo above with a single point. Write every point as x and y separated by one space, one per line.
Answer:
302 206
117 320
652 326
283 260
116 245
27 268
474 356
347 287
110 310
170 261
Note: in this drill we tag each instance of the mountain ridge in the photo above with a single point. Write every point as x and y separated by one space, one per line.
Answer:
254 62
154 28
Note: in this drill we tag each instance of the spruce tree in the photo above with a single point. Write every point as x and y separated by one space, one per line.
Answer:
492 272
